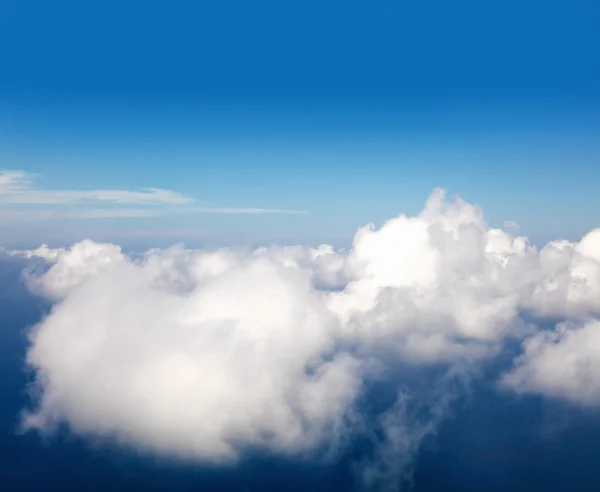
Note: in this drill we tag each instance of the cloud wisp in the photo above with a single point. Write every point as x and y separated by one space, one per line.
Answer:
205 355
20 199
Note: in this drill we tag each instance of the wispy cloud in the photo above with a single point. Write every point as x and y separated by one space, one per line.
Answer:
204 210
150 196
83 213
21 199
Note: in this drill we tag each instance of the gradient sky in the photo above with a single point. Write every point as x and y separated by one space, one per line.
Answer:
349 112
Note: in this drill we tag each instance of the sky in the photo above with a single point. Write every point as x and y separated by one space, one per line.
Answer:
349 112
337 246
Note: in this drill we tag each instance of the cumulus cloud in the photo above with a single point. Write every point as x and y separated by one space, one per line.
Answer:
563 363
207 354
197 375
20 199
69 267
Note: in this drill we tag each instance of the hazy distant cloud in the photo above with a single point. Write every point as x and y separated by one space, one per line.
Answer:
78 213
17 187
15 181
250 211
511 224
107 213
204 354
21 199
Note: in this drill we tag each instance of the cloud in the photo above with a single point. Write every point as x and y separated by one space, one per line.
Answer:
20 199
79 213
17 188
563 363
398 433
81 262
200 374
15 181
230 210
208 354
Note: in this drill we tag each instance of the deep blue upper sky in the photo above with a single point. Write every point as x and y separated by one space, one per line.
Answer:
158 51
350 111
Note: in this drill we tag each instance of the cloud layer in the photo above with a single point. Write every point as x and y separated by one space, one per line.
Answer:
208 354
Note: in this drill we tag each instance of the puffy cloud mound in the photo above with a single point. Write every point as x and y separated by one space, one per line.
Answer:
245 358
70 267
203 354
564 363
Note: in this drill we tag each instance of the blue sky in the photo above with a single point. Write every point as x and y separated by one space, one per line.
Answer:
148 123
348 112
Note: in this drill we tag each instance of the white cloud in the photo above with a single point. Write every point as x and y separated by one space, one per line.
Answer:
434 287
71 267
151 196
247 211
20 199
563 363
17 188
15 181
202 354
564 281
79 213
199 374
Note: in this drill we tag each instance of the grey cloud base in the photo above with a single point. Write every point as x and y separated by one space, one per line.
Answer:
202 354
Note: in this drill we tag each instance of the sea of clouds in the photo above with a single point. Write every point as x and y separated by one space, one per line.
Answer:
207 355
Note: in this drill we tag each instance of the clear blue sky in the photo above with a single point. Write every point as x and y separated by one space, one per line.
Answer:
349 111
